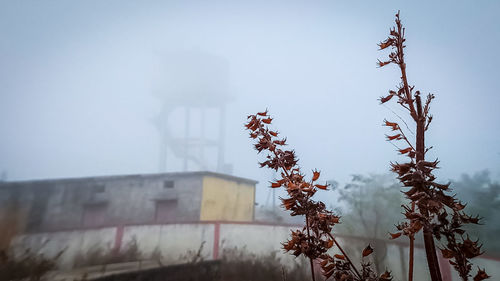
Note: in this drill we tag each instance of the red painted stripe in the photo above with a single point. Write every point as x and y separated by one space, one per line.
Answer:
118 238
216 240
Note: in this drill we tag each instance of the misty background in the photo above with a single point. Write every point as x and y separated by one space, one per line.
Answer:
78 83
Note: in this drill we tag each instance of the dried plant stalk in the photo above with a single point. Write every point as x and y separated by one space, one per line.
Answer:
315 238
432 208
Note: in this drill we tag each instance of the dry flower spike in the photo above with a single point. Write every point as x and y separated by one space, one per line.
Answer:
432 208
315 238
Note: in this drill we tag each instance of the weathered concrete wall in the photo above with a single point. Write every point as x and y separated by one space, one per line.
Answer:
72 243
12 218
59 204
134 201
20 201
50 205
259 239
172 241
179 242
227 200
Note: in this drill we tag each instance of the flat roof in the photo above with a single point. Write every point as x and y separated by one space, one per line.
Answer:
134 176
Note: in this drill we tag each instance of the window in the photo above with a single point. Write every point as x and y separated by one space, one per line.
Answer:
94 214
166 210
168 184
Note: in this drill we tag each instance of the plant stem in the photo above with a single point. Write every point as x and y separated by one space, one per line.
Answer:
345 255
412 250
412 253
312 269
310 259
430 248
430 251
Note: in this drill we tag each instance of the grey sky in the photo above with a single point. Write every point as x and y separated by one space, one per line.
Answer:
77 77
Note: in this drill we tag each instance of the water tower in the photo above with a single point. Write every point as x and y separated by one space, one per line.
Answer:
193 90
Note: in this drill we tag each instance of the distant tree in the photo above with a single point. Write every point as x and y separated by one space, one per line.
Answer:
483 196
372 205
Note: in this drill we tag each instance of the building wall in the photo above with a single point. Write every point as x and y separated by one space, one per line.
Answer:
67 204
134 201
62 204
177 243
174 242
71 243
12 222
227 200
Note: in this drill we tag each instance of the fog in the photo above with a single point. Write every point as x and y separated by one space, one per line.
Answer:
82 83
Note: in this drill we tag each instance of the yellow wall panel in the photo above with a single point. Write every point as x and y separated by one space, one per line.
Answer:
227 200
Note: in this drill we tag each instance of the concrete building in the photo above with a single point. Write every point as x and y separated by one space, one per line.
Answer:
80 203
168 217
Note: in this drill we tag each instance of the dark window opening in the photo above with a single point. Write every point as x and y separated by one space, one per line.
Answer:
168 184
166 210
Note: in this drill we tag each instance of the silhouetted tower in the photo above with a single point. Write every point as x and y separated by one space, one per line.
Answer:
194 94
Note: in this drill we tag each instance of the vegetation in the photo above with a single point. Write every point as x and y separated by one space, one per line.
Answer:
27 266
483 195
315 238
432 208
372 205
238 264
100 256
